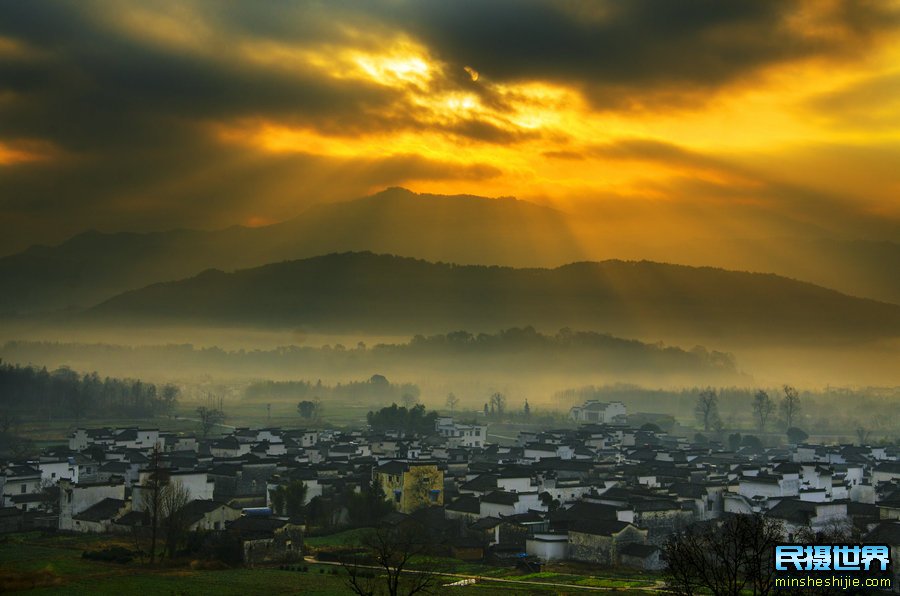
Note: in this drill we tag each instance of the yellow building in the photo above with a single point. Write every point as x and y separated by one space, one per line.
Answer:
411 485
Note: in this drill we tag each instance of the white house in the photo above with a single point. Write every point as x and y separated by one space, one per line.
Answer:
55 469
461 435
197 482
600 412
500 503
769 486
76 498
548 546
16 483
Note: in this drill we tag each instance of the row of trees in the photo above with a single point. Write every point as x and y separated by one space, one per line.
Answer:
66 393
288 499
399 418
311 410
495 406
762 406
376 388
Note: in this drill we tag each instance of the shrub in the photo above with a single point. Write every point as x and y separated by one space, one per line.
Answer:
113 554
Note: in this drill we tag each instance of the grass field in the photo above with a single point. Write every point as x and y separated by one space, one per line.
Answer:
52 564
573 574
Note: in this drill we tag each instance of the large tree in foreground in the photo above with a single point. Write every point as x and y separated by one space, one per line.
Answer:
389 552
174 499
152 494
726 557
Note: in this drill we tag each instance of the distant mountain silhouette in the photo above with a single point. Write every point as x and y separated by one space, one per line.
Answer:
94 266
368 293
865 268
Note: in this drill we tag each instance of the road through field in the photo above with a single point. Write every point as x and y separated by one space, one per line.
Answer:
659 586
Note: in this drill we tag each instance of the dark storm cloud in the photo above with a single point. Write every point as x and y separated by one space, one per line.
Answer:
91 85
93 82
127 117
620 52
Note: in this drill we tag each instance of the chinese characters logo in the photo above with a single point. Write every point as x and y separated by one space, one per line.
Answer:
838 557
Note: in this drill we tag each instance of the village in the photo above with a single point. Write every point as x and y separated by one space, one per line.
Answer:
604 493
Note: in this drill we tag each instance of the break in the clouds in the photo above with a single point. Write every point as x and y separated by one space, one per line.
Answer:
135 116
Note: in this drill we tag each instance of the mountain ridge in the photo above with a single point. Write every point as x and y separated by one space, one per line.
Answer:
93 266
374 293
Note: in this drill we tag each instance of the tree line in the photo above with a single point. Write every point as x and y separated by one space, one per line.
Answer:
64 393
762 407
413 420
511 349
376 388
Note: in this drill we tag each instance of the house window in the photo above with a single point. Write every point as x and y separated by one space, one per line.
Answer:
397 494
52 474
24 488
217 525
434 495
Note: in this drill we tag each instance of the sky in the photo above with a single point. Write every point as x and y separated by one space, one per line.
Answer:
747 118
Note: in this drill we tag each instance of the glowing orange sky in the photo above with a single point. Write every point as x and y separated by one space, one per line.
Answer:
210 117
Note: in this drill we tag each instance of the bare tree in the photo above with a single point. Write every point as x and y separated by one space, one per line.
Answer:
498 404
152 498
762 409
318 409
169 397
174 498
209 418
79 402
836 531
790 405
452 402
707 409
10 439
277 499
391 550
9 422
862 434
726 557
409 400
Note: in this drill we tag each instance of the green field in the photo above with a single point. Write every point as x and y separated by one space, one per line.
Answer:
52 564
573 574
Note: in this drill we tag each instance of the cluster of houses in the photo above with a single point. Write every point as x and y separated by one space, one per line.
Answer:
604 492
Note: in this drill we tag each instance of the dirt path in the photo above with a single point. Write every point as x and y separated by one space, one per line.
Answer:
523 582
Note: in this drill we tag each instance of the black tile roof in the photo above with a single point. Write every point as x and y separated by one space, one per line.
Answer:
105 509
